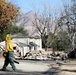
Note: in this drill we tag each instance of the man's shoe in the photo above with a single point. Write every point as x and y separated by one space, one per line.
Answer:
3 70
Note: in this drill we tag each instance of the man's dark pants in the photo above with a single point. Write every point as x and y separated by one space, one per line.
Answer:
9 59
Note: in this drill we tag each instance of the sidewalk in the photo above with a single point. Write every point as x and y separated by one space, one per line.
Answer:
27 68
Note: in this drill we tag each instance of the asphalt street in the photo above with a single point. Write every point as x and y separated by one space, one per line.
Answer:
36 67
29 67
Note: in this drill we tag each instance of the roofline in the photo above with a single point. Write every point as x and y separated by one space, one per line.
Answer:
25 37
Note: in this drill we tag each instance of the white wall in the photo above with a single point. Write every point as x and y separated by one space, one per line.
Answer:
26 41
38 42
23 40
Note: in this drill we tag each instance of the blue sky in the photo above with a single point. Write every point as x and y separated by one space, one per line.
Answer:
27 5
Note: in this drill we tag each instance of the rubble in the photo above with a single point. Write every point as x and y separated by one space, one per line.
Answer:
44 55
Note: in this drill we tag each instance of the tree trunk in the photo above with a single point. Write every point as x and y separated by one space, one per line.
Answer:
45 48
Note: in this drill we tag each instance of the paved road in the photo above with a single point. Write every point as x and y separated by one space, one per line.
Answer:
27 73
27 67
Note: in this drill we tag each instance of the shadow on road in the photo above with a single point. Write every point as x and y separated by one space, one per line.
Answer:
51 71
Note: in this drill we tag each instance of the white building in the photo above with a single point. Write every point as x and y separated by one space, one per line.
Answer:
25 44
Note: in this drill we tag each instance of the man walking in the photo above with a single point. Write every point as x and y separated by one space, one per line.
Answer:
9 53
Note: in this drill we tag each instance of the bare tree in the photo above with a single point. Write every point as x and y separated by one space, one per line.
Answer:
67 21
45 23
